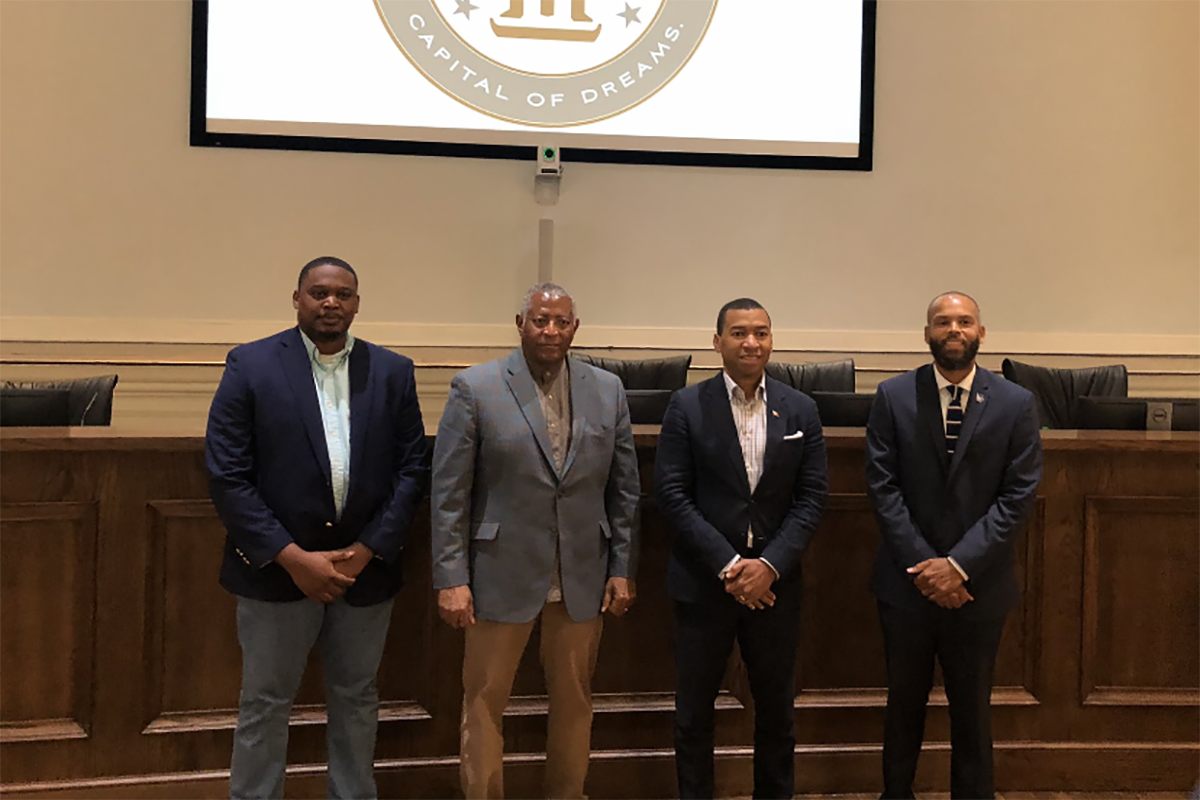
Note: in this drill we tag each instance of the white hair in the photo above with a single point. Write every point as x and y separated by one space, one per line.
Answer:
552 291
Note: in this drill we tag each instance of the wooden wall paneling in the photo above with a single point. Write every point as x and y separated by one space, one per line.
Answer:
190 676
1141 602
634 686
193 669
167 668
47 630
418 715
1065 475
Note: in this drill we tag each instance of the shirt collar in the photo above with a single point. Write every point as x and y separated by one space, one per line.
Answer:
731 387
539 377
336 358
965 384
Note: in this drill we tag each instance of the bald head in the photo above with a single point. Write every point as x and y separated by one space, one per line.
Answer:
952 303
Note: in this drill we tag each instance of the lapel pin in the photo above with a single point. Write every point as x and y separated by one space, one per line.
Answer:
776 413
978 397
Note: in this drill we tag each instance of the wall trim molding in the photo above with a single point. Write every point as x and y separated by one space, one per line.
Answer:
413 334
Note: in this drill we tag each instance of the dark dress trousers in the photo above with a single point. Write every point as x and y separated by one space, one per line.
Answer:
702 490
269 466
970 507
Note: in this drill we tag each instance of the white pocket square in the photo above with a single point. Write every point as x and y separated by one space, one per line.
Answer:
791 437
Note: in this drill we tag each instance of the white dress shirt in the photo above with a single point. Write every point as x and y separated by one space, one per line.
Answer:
750 417
331 374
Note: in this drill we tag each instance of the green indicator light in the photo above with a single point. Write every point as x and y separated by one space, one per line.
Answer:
548 153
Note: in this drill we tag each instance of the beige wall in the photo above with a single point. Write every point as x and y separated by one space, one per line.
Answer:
1043 155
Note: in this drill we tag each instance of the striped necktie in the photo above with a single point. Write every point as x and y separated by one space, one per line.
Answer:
954 417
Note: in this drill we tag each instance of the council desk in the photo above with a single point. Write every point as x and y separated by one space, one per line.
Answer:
120 667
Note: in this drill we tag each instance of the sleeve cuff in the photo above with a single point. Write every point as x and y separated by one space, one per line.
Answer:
725 569
772 566
961 571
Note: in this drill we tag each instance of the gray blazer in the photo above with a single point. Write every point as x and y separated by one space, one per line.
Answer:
499 505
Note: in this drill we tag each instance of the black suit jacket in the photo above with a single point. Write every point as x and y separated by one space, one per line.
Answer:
970 507
702 490
269 473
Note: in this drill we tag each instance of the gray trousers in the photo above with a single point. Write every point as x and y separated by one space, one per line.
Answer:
276 639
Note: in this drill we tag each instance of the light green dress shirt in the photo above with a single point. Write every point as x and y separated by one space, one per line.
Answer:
331 374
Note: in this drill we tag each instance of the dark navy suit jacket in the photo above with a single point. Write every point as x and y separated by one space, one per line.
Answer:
970 507
702 490
269 473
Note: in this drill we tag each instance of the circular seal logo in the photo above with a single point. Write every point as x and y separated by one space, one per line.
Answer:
548 63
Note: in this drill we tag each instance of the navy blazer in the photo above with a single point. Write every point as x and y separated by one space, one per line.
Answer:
269 473
702 490
970 507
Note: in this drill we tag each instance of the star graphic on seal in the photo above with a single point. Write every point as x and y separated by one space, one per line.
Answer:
465 8
630 14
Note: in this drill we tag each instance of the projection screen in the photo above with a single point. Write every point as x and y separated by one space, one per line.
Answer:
744 83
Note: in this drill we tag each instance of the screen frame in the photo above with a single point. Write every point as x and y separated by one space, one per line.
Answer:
200 136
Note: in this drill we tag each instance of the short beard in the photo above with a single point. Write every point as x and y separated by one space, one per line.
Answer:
324 336
950 364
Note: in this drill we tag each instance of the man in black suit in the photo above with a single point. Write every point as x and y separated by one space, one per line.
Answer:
954 458
741 478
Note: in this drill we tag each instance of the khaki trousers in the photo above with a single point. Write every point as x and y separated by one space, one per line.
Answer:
493 652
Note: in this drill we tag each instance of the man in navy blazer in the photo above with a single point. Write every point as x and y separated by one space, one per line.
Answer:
954 459
740 477
315 451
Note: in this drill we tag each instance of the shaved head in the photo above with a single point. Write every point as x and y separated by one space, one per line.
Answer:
952 300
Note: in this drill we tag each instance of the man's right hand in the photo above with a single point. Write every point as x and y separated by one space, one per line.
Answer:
456 606
314 572
954 598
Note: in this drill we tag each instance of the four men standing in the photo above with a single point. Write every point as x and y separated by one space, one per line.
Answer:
535 518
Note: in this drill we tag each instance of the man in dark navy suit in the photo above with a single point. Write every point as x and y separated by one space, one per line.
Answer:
740 476
954 458
315 452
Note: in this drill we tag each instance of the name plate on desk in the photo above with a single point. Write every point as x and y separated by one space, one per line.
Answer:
1158 416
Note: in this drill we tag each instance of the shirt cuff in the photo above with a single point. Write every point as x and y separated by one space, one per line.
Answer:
725 569
961 571
772 566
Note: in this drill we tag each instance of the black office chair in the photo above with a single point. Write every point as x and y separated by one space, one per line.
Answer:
90 399
1057 389
648 382
822 376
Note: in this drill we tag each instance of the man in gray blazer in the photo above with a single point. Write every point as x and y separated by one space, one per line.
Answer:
534 498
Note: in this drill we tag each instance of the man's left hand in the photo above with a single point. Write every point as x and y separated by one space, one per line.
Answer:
360 556
936 576
619 594
749 580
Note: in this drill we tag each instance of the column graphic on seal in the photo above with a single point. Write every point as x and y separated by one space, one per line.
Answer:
554 20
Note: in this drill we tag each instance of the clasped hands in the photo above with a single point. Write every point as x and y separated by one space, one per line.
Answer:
749 581
940 582
324 575
456 605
